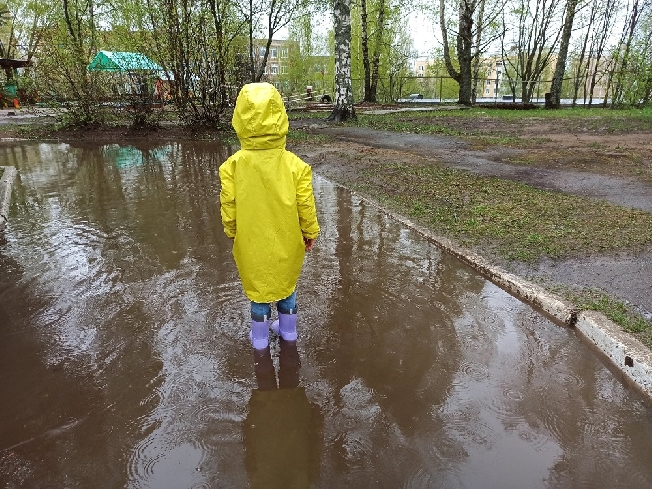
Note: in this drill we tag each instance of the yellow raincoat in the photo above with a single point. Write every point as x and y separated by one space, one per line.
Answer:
266 201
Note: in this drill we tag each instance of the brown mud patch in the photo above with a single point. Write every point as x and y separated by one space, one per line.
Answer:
624 274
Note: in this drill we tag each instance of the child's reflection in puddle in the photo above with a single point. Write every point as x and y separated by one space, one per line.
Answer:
283 430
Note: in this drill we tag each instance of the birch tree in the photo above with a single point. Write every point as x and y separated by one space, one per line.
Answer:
343 108
623 53
580 68
635 77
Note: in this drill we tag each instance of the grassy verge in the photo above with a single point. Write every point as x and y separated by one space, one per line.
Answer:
520 222
619 312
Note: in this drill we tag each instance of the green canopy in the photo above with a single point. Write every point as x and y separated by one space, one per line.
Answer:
122 61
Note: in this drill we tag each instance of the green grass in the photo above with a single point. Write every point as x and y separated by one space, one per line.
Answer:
627 318
518 221
499 126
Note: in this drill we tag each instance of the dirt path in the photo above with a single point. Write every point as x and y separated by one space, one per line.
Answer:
457 153
625 276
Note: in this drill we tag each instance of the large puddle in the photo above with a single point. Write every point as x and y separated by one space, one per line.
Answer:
125 359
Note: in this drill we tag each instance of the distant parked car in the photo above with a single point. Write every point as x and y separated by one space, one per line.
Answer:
415 96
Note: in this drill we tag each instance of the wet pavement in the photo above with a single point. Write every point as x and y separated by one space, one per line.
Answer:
125 359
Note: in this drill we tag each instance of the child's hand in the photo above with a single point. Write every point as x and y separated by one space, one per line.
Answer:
309 243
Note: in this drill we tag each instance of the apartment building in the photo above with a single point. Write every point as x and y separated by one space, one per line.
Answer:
290 72
493 73
420 66
278 59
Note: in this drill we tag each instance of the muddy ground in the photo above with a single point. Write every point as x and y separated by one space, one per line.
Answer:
571 156
609 160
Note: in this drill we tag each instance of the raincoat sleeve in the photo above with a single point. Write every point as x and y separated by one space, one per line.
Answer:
227 197
306 205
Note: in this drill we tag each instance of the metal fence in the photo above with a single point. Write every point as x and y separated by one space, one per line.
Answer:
443 89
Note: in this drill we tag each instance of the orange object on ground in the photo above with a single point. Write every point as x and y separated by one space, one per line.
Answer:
16 104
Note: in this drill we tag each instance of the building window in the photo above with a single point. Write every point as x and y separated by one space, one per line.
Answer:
486 91
420 67
273 53
420 75
284 69
274 69
284 52
262 52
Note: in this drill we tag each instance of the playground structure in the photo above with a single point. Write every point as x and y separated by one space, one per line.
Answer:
133 75
309 99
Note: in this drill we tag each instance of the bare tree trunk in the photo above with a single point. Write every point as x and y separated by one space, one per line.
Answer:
581 71
344 108
453 73
365 50
560 67
628 36
597 47
534 44
375 61
464 47
476 55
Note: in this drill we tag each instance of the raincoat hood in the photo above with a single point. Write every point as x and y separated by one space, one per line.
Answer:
259 117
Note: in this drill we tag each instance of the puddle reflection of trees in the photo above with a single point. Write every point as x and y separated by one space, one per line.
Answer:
390 327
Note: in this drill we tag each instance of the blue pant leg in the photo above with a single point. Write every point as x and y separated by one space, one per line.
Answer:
288 305
260 311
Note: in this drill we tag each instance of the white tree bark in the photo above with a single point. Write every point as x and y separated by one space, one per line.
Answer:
343 90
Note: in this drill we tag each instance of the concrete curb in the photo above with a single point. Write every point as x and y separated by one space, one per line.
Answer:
6 183
623 352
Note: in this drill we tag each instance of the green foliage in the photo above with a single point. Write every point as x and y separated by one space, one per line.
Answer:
395 51
61 75
637 78
305 66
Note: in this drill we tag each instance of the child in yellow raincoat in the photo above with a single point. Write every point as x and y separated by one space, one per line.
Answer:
268 206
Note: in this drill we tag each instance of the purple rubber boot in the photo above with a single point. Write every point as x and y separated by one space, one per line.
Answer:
286 326
259 334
